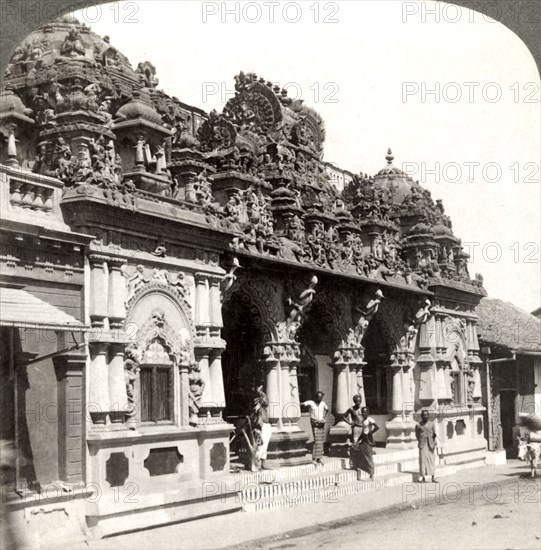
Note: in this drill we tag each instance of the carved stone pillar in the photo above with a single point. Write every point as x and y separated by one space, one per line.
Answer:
288 442
341 402
184 369
272 388
99 401
348 381
396 389
217 382
295 411
291 409
207 401
400 430
202 317
117 384
215 312
98 290
117 293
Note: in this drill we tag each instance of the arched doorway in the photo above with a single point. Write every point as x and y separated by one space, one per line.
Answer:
317 345
378 346
242 367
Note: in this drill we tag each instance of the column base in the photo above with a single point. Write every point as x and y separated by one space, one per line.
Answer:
340 439
400 434
288 448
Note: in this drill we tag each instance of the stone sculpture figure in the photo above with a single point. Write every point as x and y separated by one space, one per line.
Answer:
197 386
72 45
230 277
366 314
132 358
134 282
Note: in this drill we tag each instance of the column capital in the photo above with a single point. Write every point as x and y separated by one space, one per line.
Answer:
115 262
97 259
285 352
201 276
352 356
214 279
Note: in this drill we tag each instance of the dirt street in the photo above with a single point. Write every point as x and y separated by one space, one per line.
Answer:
450 515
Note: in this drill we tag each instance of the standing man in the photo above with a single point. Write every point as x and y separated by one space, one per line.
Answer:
425 432
261 412
318 415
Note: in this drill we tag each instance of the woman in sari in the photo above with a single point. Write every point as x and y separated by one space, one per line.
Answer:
362 452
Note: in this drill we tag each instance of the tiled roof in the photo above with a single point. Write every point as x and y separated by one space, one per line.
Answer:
506 325
19 308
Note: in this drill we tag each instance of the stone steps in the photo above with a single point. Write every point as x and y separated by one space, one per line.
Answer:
286 487
333 488
309 483
381 458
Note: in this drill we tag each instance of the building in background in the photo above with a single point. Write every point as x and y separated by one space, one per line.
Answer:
510 341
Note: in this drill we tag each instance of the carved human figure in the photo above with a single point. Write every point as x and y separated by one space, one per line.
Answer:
366 314
197 386
302 302
424 313
134 282
132 358
72 45
230 277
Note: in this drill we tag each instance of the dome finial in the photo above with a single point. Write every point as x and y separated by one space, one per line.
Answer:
389 156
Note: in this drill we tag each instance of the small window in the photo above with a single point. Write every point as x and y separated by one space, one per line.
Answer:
156 382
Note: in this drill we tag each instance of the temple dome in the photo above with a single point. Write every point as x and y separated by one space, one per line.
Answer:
44 53
137 108
12 103
393 179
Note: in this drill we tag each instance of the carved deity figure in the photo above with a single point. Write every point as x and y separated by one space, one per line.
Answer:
132 358
230 277
424 313
366 314
305 298
72 45
134 282
470 379
197 386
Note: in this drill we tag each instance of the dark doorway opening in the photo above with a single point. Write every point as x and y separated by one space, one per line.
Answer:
507 404
378 349
242 366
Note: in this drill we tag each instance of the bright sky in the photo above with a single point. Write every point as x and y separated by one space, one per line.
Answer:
365 66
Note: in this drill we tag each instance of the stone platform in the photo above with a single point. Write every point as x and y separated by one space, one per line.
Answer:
332 480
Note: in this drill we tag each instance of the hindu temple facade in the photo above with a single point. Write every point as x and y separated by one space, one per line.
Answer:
215 252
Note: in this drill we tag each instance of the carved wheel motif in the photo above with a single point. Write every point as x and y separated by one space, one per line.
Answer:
256 109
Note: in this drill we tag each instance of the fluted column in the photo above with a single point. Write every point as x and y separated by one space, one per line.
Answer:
295 410
207 402
202 317
215 309
341 401
286 402
99 401
98 290
217 380
117 384
184 394
360 382
117 293
273 386
396 396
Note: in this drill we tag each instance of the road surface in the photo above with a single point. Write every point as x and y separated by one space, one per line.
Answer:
450 515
